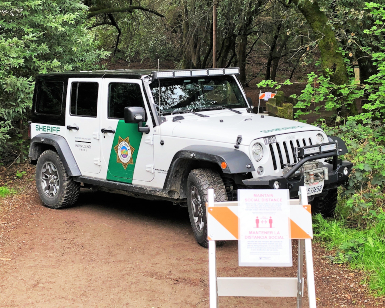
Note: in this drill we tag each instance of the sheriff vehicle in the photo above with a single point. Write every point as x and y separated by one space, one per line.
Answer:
172 135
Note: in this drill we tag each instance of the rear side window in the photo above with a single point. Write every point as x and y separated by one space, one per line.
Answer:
84 99
50 97
122 95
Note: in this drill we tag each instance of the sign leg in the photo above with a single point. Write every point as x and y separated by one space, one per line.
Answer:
310 273
213 275
301 245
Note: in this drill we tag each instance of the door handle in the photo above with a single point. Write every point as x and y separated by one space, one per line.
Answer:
107 131
69 127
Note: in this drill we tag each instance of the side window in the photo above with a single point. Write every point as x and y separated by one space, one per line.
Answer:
84 98
50 97
122 95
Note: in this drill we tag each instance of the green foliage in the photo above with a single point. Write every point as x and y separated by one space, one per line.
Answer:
363 249
350 19
376 83
364 197
20 174
321 94
273 84
144 36
38 36
5 191
357 236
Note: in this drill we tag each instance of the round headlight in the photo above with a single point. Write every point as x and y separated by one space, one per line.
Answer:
257 150
319 138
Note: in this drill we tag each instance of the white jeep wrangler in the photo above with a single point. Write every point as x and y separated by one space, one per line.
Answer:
172 135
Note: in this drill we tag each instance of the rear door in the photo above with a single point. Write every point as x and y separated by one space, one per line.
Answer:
82 123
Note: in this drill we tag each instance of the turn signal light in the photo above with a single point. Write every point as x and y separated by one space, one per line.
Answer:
223 165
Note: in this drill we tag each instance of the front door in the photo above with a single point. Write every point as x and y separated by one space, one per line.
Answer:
126 152
82 124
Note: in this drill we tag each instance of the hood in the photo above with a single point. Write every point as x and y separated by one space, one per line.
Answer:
225 126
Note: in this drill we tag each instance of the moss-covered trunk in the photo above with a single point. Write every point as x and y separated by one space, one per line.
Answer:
330 57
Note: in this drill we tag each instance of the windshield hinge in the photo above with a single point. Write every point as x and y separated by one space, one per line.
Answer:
238 142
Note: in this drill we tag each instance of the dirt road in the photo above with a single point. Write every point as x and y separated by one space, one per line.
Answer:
116 251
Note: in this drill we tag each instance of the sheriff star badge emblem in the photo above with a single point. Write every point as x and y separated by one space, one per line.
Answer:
124 152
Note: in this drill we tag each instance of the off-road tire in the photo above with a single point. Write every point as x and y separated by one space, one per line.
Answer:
198 182
325 205
56 189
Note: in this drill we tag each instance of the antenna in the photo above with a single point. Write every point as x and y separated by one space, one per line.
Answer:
160 109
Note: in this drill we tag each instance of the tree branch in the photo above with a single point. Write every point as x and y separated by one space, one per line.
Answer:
114 23
100 24
252 46
128 9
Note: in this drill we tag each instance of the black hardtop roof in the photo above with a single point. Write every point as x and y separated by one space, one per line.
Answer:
122 73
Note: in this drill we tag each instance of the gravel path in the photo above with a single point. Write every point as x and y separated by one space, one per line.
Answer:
115 251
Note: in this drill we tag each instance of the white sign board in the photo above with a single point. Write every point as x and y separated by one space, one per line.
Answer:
264 228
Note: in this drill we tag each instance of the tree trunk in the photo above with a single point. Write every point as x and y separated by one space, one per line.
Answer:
208 52
331 59
271 52
186 58
227 46
242 45
277 56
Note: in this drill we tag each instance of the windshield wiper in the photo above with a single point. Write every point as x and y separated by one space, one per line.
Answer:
233 110
200 115
176 111
219 108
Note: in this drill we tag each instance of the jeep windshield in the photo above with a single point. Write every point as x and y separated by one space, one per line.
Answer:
180 95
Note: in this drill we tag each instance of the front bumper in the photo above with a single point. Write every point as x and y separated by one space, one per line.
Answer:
289 181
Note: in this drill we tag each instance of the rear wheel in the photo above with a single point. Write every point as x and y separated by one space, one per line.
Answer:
325 205
198 182
56 189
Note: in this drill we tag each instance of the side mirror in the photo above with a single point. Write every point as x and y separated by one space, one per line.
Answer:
136 115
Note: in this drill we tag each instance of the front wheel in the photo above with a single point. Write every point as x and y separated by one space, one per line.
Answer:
56 189
325 205
198 182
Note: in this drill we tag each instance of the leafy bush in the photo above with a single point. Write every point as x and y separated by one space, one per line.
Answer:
322 94
38 37
364 196
375 109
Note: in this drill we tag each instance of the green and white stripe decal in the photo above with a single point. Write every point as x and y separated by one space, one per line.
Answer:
124 152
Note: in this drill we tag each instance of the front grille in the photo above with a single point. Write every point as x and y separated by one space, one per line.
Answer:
282 152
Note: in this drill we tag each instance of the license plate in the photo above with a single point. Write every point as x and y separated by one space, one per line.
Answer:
314 188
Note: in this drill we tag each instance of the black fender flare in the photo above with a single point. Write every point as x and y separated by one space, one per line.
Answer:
236 162
62 148
341 146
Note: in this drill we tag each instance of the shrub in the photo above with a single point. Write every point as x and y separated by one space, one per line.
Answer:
363 198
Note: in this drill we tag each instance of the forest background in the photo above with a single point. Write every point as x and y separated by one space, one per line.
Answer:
274 42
